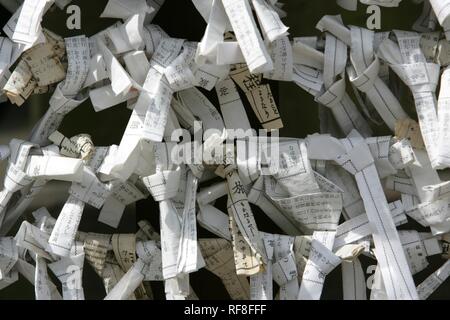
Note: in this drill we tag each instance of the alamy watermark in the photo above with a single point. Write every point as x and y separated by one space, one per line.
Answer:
227 147
73 21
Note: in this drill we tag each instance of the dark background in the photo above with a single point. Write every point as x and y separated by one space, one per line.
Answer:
180 19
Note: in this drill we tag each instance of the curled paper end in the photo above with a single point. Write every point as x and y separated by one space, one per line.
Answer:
4 152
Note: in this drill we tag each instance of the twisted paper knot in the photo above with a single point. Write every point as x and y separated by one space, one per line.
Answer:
334 95
365 81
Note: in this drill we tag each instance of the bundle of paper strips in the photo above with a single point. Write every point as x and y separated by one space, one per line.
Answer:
337 195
